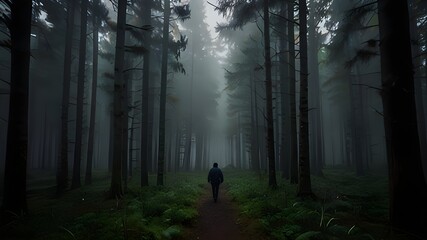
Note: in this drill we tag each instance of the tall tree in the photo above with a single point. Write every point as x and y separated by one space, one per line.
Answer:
418 35
189 121
62 166
163 82
269 100
15 173
292 95
182 12
254 125
284 95
146 18
242 12
89 158
116 189
76 181
314 90
304 183
405 168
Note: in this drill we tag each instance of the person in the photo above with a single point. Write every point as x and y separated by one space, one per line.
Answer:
215 177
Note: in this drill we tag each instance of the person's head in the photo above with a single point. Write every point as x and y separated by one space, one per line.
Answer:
215 165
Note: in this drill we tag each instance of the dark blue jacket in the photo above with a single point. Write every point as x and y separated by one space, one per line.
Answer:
215 176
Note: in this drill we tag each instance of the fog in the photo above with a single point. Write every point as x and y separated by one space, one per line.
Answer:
172 93
203 92
209 91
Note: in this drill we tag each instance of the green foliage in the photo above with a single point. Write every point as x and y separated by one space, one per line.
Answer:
311 235
348 207
171 232
177 215
154 212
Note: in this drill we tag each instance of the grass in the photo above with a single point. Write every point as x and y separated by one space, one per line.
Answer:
347 207
153 212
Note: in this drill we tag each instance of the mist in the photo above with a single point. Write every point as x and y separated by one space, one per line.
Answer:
313 106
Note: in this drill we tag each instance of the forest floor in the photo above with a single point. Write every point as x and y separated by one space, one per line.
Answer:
221 219
348 207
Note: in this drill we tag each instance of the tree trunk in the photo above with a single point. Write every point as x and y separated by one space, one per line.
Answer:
189 128
111 143
405 168
62 167
419 91
127 86
131 147
43 144
146 15
187 152
76 183
150 125
269 100
177 148
238 143
254 131
199 151
116 190
206 150
304 187
292 90
284 98
15 172
276 116
163 82
89 161
170 152
313 64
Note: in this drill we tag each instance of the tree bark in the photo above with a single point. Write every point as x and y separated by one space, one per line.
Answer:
127 86
163 82
419 81
304 186
131 147
254 122
314 114
284 98
62 167
238 143
292 89
116 190
269 100
89 158
146 15
76 182
400 119
15 172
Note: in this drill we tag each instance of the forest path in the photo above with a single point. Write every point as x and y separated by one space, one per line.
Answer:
220 220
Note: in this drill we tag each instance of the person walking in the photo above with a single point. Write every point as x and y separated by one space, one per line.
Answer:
215 177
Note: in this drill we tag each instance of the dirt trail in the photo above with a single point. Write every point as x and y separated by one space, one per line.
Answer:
220 220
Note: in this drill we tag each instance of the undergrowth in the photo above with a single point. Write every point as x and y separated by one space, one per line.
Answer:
346 208
153 212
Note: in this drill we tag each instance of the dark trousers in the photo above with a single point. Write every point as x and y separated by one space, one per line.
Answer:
215 188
